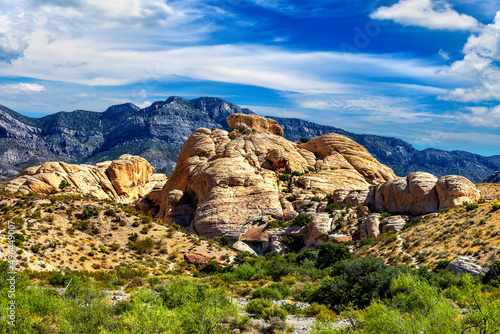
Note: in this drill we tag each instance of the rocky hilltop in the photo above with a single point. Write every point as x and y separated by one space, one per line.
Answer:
245 182
124 180
158 132
493 178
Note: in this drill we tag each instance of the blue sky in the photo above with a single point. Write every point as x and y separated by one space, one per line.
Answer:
426 71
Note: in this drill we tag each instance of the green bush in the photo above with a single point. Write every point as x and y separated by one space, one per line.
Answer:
304 139
275 223
64 184
274 312
471 206
257 306
354 282
274 291
492 276
301 220
495 207
330 253
333 206
142 246
290 198
284 177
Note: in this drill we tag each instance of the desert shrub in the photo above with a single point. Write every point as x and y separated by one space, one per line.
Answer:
441 265
64 184
18 239
354 282
257 306
284 177
333 206
224 241
274 291
492 276
495 207
275 223
211 267
330 253
273 312
290 198
471 206
304 139
89 212
301 220
309 255
384 215
142 246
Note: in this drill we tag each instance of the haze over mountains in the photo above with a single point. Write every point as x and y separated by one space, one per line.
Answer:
158 132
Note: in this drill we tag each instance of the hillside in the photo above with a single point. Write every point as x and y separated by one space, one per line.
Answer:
157 133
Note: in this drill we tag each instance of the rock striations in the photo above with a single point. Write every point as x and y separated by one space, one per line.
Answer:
232 183
124 180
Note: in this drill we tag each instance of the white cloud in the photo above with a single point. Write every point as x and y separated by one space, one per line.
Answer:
372 109
480 64
102 63
482 116
21 88
444 54
430 14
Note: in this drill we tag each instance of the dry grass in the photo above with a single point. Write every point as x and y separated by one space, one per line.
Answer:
452 232
55 235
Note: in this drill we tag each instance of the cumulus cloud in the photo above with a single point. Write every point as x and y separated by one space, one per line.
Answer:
480 64
482 116
430 14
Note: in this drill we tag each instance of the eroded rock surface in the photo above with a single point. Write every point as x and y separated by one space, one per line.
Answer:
225 183
123 180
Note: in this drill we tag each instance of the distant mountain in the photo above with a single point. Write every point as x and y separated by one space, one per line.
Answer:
158 132
493 178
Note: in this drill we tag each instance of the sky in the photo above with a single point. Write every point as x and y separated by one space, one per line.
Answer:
425 71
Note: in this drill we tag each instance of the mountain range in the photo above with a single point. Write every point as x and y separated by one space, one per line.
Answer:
158 132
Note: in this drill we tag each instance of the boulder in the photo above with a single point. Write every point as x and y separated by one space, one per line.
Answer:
339 239
370 226
243 247
255 122
124 180
421 193
318 230
392 224
199 259
455 190
466 265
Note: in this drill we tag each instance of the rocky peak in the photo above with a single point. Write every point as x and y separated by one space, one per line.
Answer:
115 110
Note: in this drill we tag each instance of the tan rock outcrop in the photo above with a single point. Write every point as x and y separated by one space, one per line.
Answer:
124 180
199 259
227 184
454 190
421 193
255 122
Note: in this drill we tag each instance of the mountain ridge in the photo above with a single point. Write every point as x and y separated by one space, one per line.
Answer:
157 133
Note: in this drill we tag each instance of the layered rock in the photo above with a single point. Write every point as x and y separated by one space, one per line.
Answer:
124 180
421 193
227 183
254 122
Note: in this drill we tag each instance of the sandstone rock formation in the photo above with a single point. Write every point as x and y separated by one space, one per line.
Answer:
225 183
199 259
421 193
124 180
255 122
